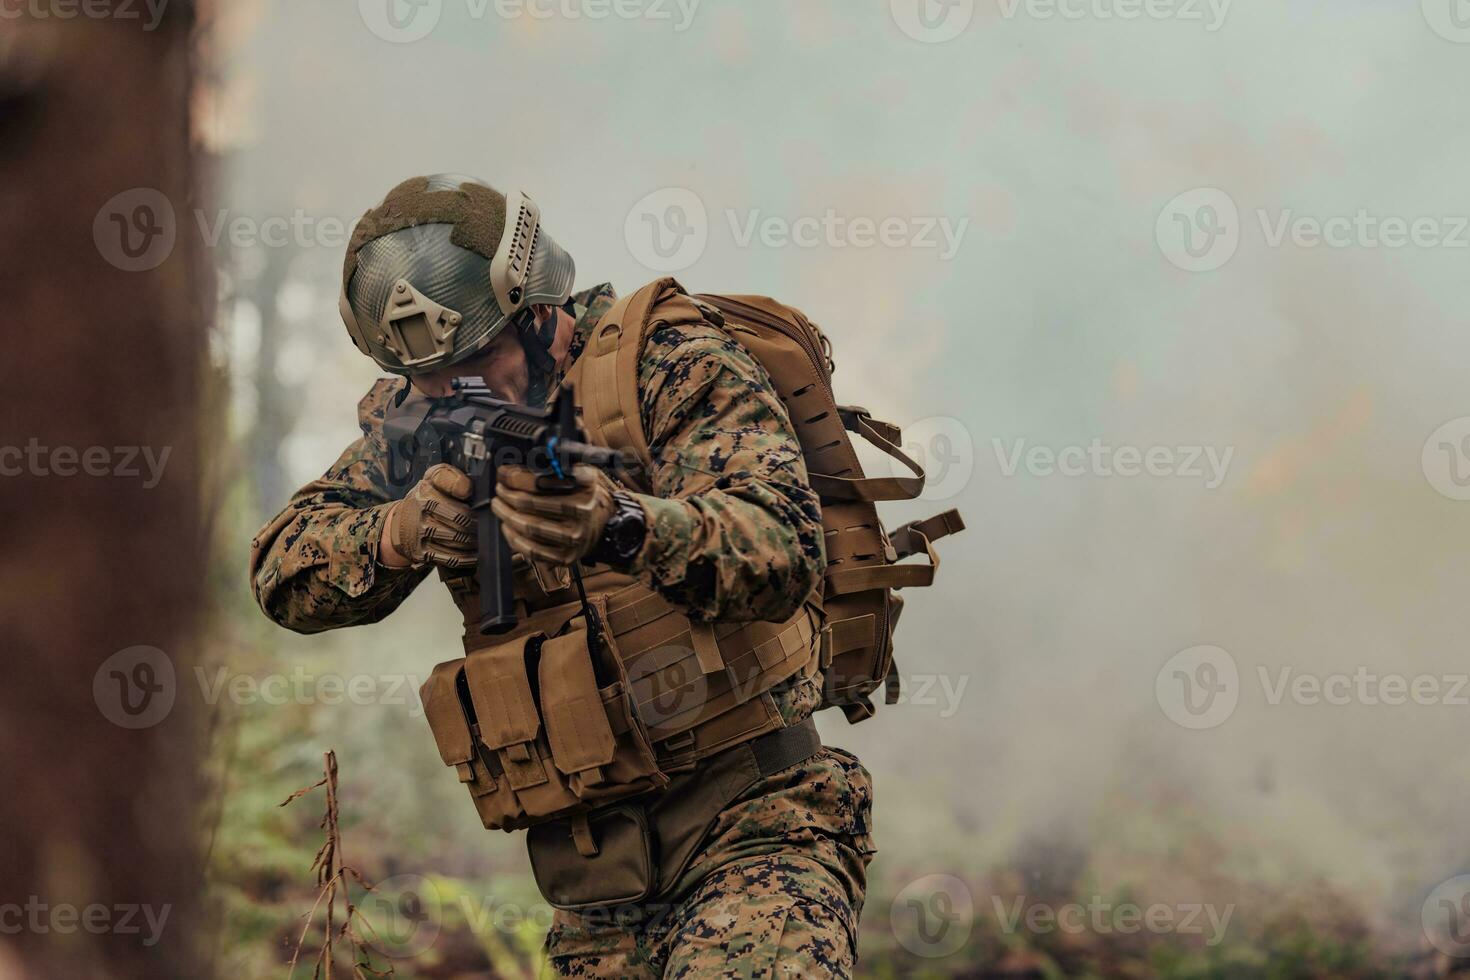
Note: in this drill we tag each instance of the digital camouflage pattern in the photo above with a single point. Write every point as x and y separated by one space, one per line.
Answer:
735 530
775 893
735 533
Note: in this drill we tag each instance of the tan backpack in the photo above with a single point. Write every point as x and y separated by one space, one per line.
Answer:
865 562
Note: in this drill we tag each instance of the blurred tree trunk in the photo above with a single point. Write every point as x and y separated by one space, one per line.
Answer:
102 564
274 415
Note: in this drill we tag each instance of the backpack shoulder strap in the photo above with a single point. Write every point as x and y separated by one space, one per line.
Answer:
605 377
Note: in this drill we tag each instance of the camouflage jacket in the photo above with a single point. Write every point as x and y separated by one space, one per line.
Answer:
735 530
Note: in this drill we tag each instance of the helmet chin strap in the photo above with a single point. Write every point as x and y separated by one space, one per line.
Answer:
540 365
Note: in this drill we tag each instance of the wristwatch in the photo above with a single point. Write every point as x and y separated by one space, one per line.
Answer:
624 533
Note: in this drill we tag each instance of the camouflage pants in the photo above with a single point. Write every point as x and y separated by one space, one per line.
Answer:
776 892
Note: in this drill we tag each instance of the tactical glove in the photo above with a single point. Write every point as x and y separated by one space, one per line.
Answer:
558 527
433 524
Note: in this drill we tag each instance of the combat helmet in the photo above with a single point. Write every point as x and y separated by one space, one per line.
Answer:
437 270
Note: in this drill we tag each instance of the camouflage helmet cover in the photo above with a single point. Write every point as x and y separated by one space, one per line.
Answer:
414 284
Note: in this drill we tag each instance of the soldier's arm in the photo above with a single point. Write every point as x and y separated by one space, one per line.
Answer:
735 531
314 565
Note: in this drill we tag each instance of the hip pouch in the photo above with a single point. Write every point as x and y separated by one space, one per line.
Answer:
638 851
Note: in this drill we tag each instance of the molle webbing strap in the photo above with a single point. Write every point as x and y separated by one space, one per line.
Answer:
706 648
847 581
605 377
671 689
906 539
640 612
885 437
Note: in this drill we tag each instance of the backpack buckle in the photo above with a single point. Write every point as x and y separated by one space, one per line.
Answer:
711 312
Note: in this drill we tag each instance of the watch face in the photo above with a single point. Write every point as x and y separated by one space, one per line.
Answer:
627 536
625 532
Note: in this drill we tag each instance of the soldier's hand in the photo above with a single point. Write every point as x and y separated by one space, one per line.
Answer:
558 527
433 524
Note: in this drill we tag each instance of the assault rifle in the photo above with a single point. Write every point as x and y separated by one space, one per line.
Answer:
477 433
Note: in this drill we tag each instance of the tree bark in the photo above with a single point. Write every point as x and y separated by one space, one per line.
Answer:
102 559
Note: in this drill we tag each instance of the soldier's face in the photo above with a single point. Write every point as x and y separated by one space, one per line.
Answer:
501 365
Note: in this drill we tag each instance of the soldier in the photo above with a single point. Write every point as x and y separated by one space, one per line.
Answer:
448 278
